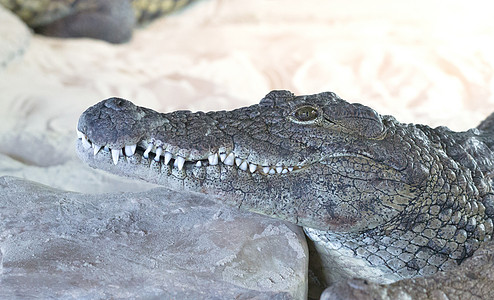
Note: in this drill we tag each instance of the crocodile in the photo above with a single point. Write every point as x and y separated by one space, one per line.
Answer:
112 21
383 201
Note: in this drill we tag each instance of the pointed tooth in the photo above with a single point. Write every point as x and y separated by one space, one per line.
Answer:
238 161
198 163
148 149
213 159
290 169
159 150
284 171
222 157
229 159
179 162
96 149
244 166
115 153
130 150
168 156
106 148
252 168
85 142
266 169
79 134
279 169
272 171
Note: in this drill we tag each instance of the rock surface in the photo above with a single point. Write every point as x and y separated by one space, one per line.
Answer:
156 244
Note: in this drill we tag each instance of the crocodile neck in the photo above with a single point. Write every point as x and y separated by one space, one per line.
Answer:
432 235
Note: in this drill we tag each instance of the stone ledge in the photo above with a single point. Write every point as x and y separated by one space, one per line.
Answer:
154 244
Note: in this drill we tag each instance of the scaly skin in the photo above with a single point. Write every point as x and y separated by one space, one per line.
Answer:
471 280
112 21
382 200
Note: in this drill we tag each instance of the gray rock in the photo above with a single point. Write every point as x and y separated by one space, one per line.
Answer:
156 244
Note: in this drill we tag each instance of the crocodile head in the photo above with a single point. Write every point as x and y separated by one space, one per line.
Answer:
317 161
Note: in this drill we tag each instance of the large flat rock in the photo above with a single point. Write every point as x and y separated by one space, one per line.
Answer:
156 244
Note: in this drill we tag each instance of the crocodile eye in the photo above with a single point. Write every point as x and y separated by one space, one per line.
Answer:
306 113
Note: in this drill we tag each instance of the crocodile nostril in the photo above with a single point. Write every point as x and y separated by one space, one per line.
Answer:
117 103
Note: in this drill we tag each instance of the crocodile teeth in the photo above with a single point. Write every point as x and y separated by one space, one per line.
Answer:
168 156
179 162
130 150
115 154
85 142
213 159
159 150
243 166
229 159
96 149
148 149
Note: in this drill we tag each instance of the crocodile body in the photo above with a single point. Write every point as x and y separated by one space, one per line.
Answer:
112 21
382 200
